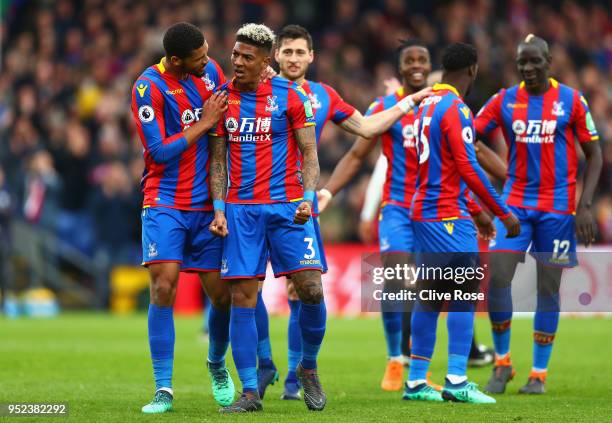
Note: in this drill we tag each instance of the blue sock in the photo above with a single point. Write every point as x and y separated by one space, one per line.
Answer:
207 307
500 314
294 335
218 323
392 323
418 368
312 324
424 325
460 326
545 326
264 350
161 344
243 336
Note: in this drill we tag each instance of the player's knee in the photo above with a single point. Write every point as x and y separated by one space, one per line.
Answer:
221 300
243 299
162 291
312 294
502 268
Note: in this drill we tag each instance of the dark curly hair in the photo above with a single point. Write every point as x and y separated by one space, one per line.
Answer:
459 56
181 39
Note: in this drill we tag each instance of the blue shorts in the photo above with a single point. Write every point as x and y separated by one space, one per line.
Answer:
552 237
317 227
433 241
395 230
182 236
261 231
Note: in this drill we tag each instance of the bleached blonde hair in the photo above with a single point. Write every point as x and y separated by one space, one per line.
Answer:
257 34
541 43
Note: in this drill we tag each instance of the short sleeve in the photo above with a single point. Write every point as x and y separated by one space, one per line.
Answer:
488 118
340 110
583 124
299 109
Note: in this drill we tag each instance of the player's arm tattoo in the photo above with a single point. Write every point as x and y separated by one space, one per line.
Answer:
353 124
218 167
308 147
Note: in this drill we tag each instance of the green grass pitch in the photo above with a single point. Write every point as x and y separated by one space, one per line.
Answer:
100 366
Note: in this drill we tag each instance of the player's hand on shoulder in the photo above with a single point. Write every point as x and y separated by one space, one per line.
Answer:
218 226
585 226
485 226
214 107
512 225
323 199
268 73
421 95
302 213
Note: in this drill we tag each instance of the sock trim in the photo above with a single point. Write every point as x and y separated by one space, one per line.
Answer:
168 390
414 383
456 379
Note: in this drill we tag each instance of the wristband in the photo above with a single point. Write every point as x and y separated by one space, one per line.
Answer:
326 193
219 205
309 196
406 104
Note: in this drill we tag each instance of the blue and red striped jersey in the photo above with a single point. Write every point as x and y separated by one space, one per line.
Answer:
163 106
540 132
326 104
444 134
399 148
263 155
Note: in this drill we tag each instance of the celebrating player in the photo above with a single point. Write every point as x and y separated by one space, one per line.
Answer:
294 53
261 139
174 107
444 136
480 354
395 227
540 119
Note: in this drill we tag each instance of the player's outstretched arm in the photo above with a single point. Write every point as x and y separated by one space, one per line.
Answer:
307 144
218 183
490 161
585 224
345 170
378 123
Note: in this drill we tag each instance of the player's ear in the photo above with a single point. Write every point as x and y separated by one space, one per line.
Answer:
473 70
176 61
310 56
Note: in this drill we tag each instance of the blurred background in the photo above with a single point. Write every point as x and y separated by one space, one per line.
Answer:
71 160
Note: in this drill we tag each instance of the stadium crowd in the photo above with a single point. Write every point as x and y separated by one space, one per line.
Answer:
71 160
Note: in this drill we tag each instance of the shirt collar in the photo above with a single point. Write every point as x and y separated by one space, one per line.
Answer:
439 87
553 83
